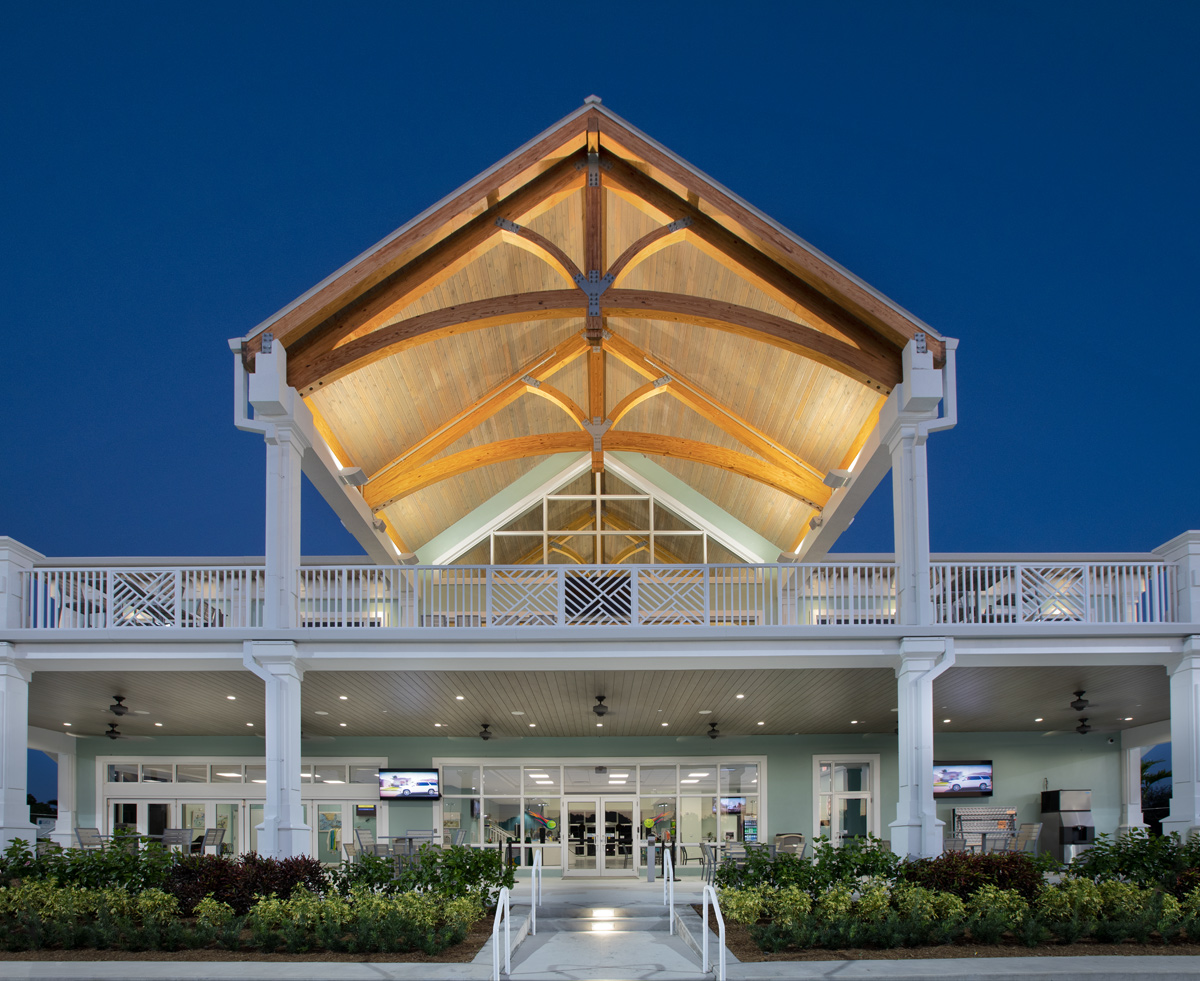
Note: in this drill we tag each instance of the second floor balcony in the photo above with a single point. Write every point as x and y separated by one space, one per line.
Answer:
219 596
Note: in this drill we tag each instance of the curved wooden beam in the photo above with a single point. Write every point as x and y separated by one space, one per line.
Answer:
396 483
561 399
634 399
306 374
540 246
643 249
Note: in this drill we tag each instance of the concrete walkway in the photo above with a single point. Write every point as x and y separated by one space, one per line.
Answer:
594 930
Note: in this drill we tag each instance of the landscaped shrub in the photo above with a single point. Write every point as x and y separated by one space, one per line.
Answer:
239 881
1072 898
456 871
1137 856
131 868
1008 904
743 905
855 859
963 873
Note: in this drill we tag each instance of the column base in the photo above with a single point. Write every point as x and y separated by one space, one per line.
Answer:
64 830
1184 828
10 832
1124 829
917 838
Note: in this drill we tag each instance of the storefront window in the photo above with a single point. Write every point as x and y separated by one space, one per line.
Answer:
460 780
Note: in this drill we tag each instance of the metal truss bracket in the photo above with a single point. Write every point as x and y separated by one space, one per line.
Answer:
919 340
593 285
597 431
267 338
664 380
508 226
679 223
531 381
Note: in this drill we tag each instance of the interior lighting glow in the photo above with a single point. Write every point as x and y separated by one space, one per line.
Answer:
689 781
335 781
703 773
544 783
258 781
220 774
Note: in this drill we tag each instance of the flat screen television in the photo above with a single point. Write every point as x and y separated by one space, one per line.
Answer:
962 778
409 785
732 805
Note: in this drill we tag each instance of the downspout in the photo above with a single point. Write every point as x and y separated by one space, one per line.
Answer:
949 417
241 392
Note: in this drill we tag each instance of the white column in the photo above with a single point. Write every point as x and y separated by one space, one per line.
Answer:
15 560
917 831
1131 789
285 454
1185 742
14 749
64 825
1183 552
904 424
286 424
283 832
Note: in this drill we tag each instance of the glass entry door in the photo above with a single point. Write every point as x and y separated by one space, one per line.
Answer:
601 836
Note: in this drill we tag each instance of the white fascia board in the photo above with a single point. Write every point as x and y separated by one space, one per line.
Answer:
51 741
736 536
483 520
806 246
1146 736
463 189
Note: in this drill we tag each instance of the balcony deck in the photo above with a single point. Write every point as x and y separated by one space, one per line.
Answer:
231 595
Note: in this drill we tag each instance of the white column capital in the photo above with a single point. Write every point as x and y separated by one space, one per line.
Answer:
1183 552
272 659
12 664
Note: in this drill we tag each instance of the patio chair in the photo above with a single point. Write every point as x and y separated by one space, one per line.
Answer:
460 837
90 839
955 845
351 851
1024 841
177 838
367 845
791 842
212 839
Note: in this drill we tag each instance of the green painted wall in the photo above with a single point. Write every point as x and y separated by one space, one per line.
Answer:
1023 761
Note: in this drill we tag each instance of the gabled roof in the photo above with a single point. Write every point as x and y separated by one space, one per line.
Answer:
593 293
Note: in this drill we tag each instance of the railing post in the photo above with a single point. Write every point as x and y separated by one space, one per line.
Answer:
179 598
560 574
489 589
635 617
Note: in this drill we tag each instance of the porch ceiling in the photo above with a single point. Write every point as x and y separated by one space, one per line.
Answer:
461 350
559 702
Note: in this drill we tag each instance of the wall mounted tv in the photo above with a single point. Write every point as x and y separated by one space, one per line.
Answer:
409 785
962 778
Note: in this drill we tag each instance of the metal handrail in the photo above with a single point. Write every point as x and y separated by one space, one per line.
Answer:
502 906
669 886
706 967
535 884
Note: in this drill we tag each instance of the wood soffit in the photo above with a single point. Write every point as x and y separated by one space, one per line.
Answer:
634 240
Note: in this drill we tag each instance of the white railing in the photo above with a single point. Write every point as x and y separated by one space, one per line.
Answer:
1050 592
535 886
503 911
198 598
704 931
669 886
464 597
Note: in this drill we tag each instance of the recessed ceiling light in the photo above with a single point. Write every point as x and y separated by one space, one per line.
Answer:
599 725
319 712
706 711
66 723
854 722
1128 718
342 698
232 698
665 724
458 698
437 725
518 713
532 725
741 696
762 723
1039 719
342 724
945 720
250 723
894 710
156 723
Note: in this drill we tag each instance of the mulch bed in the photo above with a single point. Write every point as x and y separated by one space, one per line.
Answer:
740 944
460 953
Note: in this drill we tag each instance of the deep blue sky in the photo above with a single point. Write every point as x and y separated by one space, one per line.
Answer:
1020 175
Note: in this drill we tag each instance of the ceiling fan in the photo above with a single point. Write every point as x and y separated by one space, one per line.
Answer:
112 733
119 708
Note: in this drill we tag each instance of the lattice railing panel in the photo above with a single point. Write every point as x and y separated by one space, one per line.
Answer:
1053 593
672 596
142 599
524 596
598 596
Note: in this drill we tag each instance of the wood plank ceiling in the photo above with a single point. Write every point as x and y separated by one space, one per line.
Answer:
466 348
558 703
